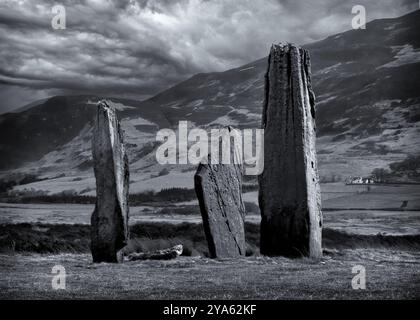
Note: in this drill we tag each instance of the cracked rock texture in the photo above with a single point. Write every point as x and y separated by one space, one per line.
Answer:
219 192
109 221
289 193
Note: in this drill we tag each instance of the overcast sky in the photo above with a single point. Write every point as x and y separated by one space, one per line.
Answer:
136 48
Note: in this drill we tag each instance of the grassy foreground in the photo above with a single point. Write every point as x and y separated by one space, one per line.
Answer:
389 275
28 253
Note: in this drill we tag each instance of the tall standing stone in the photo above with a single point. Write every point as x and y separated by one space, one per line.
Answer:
219 192
109 221
289 194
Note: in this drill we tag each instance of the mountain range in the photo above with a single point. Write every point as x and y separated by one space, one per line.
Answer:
366 82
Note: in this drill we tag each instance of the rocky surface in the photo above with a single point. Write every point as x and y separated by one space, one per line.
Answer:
219 192
289 195
109 221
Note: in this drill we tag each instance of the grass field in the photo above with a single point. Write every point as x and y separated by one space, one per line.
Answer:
389 275
55 239
353 221
392 267
364 227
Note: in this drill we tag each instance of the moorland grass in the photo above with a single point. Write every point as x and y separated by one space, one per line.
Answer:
65 238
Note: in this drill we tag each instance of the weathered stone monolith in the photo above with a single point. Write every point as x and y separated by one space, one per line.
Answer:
289 194
219 191
109 221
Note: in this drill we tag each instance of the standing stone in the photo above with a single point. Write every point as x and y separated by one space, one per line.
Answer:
219 192
289 193
109 221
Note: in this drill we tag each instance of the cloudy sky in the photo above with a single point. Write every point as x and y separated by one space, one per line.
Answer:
136 48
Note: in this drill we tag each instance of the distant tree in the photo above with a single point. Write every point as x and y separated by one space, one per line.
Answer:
410 166
380 174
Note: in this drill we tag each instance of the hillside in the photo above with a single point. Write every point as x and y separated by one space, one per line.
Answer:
368 113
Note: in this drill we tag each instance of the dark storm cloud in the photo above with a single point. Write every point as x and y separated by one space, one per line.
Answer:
136 48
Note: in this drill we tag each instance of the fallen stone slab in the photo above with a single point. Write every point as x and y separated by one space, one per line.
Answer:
165 254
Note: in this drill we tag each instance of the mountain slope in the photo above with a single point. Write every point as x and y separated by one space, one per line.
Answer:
368 112
30 134
367 87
